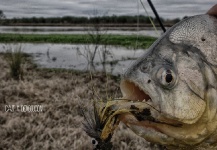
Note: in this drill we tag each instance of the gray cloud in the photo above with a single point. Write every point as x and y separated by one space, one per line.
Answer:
53 8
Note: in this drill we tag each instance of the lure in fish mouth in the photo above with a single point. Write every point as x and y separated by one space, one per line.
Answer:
170 93
101 122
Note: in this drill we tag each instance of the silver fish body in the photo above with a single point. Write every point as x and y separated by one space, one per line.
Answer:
177 75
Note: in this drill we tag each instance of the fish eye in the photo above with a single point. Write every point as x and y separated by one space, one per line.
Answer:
94 142
166 77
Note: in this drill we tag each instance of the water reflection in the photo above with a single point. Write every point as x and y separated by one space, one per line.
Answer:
70 56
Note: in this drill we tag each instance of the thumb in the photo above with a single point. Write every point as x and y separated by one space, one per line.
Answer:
213 11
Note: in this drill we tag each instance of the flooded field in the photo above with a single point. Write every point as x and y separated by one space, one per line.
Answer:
76 30
111 59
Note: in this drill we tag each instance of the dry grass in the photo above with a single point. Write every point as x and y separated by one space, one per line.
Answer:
59 126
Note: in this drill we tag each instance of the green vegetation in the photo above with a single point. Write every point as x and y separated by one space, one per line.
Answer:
121 40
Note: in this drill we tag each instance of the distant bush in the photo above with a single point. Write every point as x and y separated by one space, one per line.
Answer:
2 15
85 20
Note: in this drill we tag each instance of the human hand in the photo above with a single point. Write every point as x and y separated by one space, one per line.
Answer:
213 11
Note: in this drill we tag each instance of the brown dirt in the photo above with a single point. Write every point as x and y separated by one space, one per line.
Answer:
59 126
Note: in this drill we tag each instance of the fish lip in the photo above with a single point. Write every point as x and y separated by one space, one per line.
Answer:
128 85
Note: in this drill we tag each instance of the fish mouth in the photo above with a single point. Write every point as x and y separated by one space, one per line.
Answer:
133 92
148 121
151 115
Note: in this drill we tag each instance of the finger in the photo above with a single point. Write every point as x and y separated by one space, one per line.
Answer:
213 11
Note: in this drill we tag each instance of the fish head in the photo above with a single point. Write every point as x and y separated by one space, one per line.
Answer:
177 77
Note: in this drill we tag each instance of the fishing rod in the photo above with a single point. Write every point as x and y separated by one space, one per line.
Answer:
156 15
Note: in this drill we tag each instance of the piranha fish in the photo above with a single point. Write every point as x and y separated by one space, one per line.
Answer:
171 91
178 77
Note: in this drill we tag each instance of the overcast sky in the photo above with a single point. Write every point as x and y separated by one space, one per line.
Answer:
54 8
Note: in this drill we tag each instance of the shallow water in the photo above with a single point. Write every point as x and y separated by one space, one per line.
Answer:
77 57
73 30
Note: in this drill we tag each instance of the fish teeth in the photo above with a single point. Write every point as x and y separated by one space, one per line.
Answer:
144 100
140 88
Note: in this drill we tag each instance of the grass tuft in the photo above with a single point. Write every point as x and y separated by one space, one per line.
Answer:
15 60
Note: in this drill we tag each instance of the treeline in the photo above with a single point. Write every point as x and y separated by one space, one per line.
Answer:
85 20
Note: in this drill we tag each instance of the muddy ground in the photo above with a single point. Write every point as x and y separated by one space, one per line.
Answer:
59 125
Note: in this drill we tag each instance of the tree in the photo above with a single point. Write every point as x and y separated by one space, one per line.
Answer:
2 15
